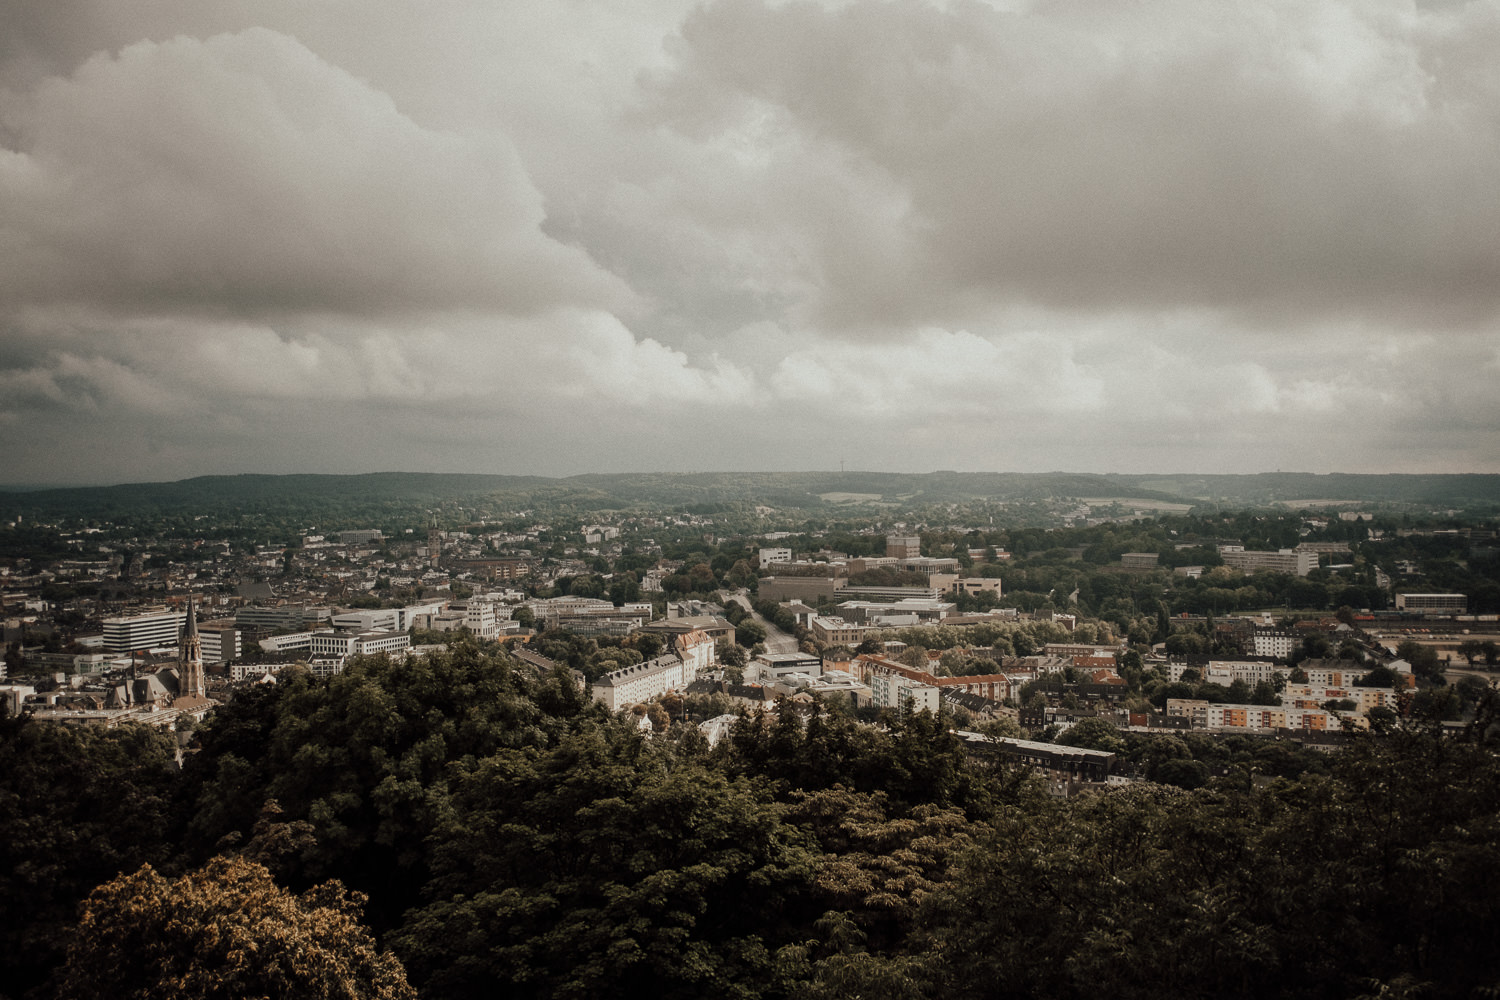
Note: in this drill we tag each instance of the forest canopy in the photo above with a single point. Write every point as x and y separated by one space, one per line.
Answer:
467 825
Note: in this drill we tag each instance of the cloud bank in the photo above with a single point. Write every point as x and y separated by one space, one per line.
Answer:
739 234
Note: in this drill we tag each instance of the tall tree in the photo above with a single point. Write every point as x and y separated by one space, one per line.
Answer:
224 932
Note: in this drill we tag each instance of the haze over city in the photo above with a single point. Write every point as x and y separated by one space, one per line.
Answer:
573 237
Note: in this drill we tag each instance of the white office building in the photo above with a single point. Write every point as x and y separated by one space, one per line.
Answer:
122 635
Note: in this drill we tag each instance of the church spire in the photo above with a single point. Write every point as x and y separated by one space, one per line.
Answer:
190 682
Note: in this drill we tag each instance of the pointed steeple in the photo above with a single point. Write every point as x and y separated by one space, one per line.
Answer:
191 682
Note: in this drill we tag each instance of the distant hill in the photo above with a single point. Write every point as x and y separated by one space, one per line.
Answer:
1457 490
380 496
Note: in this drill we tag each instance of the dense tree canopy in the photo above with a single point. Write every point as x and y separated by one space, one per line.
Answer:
508 831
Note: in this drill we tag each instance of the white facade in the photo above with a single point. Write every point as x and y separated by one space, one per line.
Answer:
358 643
1274 642
383 619
121 635
1283 561
890 690
296 642
641 682
245 671
697 650
769 556
479 618
1226 672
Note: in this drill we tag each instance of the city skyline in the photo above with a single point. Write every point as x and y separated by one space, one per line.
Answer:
554 239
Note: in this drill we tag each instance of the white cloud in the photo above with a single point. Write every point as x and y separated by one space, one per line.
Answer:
245 174
1278 156
558 238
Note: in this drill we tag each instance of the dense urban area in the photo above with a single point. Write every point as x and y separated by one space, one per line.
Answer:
729 737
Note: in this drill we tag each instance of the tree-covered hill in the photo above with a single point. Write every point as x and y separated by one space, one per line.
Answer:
1457 490
389 497
513 839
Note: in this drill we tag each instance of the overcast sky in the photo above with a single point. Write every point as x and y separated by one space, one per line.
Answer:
571 236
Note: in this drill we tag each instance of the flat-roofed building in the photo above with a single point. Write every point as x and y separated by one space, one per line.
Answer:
903 546
287 618
1064 764
221 641
292 642
889 689
346 644
363 536
777 665
1283 561
800 588
909 608
975 585
161 628
1440 604
1274 642
877 593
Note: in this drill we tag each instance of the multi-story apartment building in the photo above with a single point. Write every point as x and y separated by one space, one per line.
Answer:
641 682
1211 716
1274 642
870 668
361 537
1252 672
892 689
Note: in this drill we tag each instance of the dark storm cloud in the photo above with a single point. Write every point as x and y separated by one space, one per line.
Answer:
546 238
1292 156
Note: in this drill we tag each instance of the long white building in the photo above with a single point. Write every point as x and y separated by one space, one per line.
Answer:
641 682
346 644
122 635
1283 561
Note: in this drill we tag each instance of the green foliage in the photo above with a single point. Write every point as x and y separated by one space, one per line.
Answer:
77 806
365 757
1093 734
1380 677
749 632
1423 659
602 866
1075 899
506 831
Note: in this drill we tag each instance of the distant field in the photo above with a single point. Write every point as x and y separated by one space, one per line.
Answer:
1299 504
1142 504
851 497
